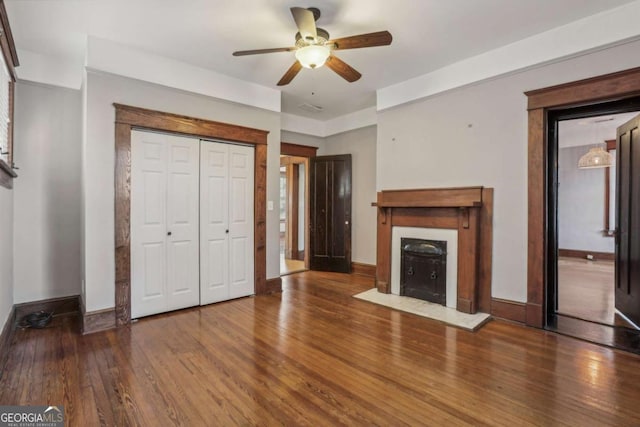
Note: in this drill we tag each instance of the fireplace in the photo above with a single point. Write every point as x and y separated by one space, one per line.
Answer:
424 269
463 217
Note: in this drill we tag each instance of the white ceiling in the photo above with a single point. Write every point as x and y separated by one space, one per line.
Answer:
592 130
427 35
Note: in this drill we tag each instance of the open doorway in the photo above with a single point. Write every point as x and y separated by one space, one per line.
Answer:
582 267
294 207
586 220
293 195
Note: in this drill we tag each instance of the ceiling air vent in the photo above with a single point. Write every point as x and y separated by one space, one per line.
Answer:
310 108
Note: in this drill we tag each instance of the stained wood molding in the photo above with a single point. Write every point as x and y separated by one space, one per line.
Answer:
273 285
128 117
509 310
6 337
97 321
431 198
57 306
289 149
469 210
609 87
368 270
597 256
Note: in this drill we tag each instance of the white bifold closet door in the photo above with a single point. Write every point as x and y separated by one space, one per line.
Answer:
226 221
164 223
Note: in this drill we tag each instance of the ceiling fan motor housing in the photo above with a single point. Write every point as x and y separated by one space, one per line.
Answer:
323 36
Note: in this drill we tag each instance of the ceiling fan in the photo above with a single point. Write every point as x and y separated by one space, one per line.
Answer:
313 48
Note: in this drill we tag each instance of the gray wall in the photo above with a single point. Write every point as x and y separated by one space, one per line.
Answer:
361 144
581 204
301 139
102 90
6 253
47 192
477 135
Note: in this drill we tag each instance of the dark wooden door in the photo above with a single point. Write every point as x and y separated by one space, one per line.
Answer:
627 294
330 210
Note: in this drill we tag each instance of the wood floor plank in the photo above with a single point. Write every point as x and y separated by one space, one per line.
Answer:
314 355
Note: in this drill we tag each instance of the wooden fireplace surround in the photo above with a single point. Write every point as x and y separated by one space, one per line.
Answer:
466 209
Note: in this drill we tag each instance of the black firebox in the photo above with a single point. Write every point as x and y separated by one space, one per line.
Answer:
423 269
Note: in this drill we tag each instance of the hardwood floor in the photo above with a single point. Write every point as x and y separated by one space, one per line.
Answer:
314 355
585 289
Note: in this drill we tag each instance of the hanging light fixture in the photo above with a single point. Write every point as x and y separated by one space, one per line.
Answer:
596 157
312 56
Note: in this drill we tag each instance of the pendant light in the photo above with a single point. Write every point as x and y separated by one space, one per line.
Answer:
596 157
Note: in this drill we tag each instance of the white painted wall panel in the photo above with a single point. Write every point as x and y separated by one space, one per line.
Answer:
47 193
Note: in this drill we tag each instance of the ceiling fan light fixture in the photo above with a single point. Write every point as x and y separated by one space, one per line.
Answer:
596 157
312 56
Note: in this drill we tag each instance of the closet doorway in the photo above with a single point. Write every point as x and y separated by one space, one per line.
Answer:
192 220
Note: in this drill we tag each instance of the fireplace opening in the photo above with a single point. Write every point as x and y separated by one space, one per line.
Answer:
423 269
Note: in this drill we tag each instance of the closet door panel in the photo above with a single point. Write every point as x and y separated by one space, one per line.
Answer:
214 231
183 222
148 224
164 223
241 221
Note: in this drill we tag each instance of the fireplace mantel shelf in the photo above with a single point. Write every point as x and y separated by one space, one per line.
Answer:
458 197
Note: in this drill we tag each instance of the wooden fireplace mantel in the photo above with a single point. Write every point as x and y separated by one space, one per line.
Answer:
466 209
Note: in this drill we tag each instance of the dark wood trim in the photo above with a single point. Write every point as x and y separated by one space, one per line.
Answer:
6 337
6 169
293 188
509 310
176 123
536 212
431 198
368 270
6 175
57 306
97 321
6 42
289 149
435 208
611 145
273 285
10 55
128 117
486 251
597 256
609 87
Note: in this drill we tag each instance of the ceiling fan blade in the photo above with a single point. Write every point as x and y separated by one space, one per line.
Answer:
259 51
290 74
343 69
306 22
381 38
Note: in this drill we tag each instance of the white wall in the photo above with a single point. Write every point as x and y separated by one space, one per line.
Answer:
102 90
47 192
6 253
361 144
581 204
477 135
301 139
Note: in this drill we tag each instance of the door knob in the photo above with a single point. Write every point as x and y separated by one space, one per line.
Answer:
168 233
226 231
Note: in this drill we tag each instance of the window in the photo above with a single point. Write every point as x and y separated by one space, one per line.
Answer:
8 62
